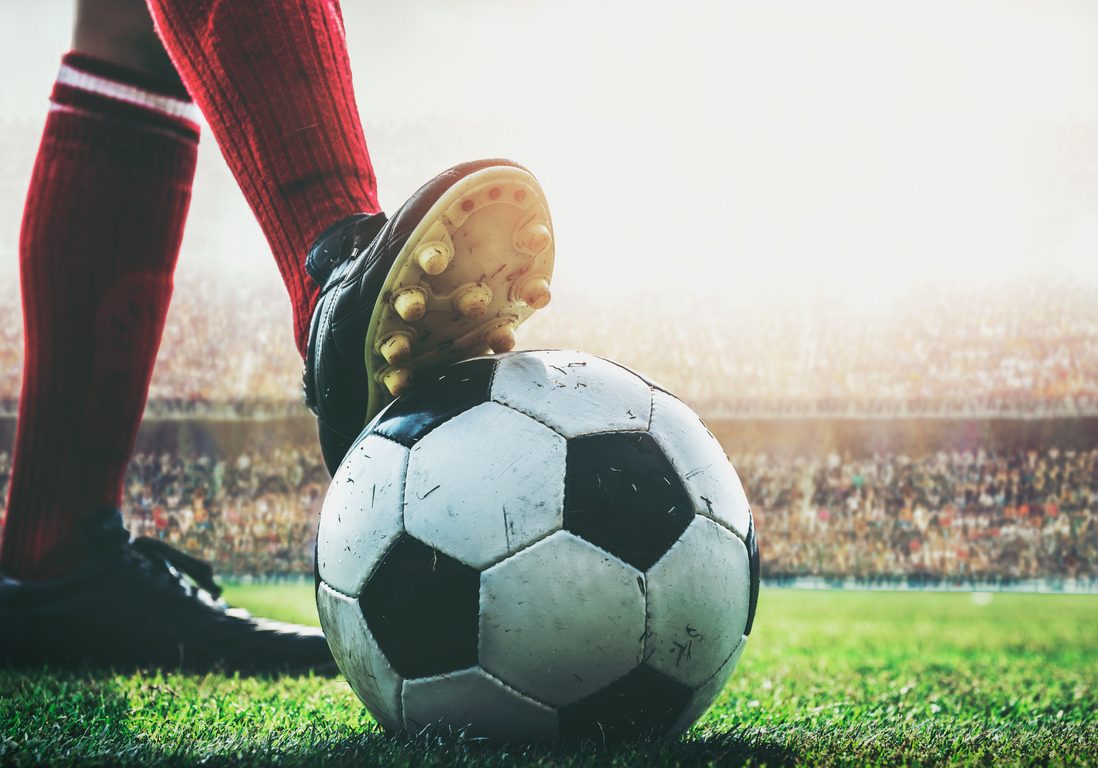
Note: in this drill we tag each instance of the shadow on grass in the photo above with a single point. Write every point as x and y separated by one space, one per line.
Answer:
735 747
53 718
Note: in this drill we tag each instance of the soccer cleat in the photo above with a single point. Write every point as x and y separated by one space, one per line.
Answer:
467 259
143 604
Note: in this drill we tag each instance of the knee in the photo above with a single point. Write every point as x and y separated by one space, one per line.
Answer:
121 32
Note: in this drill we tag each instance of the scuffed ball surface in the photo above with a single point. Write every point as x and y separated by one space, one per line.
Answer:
537 545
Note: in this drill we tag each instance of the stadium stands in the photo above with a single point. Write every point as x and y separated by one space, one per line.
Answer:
939 518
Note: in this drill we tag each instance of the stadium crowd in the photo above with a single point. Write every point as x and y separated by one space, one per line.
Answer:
947 516
957 517
252 514
1021 351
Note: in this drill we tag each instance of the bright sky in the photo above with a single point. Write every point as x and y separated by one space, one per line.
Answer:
713 145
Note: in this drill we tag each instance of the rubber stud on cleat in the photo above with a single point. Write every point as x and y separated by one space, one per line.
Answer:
397 381
434 257
396 348
501 338
535 292
472 302
410 304
535 238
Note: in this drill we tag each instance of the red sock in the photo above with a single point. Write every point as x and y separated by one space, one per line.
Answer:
274 82
100 237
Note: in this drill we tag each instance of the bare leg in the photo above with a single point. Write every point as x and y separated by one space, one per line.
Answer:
121 32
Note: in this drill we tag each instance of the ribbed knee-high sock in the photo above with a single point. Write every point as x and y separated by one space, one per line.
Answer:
99 242
274 82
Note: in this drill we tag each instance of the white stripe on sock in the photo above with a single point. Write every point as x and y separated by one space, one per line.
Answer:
165 105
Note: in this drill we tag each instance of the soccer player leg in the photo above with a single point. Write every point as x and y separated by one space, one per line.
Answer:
449 276
100 237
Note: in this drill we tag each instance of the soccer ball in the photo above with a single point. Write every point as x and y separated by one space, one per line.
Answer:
535 545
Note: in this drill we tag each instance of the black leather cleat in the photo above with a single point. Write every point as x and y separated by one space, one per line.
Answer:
143 604
450 276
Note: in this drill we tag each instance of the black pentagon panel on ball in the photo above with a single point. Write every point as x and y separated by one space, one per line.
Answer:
622 495
643 703
439 394
753 561
421 607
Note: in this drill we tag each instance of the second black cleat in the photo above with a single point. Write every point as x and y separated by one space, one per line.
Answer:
140 604
448 277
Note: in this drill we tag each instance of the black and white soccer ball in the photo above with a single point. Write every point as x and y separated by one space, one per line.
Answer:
535 545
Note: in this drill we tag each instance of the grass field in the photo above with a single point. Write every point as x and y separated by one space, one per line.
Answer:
829 678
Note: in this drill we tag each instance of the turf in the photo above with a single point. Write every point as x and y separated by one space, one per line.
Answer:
829 678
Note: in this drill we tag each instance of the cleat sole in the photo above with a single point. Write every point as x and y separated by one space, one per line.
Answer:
477 265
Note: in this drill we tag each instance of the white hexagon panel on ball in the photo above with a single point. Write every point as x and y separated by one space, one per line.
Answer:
698 595
485 484
473 704
362 513
712 483
561 619
572 392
